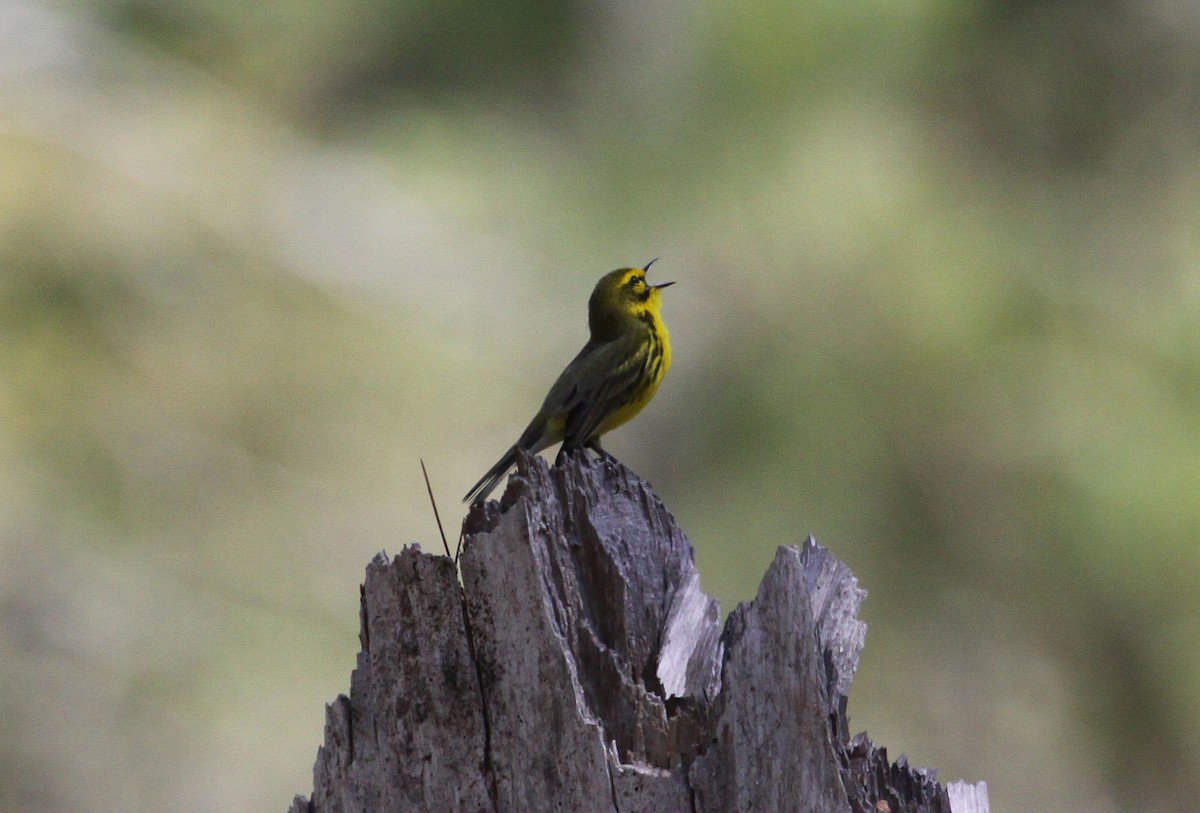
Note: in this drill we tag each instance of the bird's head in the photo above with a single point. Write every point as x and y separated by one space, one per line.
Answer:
621 297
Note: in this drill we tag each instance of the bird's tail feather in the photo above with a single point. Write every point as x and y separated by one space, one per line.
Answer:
488 482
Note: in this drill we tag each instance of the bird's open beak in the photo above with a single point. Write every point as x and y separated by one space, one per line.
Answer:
646 267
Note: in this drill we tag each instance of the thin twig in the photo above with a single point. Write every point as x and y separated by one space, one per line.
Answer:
433 502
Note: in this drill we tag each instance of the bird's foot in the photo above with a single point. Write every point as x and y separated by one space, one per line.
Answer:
600 451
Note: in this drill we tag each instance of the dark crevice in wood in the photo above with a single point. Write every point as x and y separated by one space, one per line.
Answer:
612 787
483 706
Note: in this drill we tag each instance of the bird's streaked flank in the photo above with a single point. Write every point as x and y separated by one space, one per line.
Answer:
615 374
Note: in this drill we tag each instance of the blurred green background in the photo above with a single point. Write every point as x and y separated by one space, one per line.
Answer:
937 304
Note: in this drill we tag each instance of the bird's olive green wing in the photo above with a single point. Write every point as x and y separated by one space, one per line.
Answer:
600 380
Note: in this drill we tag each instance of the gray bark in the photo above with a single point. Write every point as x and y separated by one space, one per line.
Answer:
579 667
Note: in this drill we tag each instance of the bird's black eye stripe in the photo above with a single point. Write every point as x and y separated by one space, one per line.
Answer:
635 280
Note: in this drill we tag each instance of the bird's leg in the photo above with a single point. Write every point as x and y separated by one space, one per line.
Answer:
564 453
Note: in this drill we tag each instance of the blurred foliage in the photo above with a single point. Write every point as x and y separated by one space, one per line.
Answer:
938 306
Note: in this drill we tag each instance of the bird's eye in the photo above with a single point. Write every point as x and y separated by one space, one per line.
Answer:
636 281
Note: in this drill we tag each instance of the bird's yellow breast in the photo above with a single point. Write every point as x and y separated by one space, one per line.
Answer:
657 363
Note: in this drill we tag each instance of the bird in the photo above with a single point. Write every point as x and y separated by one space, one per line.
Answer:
611 379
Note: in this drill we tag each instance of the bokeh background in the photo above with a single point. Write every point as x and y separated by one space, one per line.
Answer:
937 304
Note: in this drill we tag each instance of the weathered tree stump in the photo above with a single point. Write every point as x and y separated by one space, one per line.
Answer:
579 667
